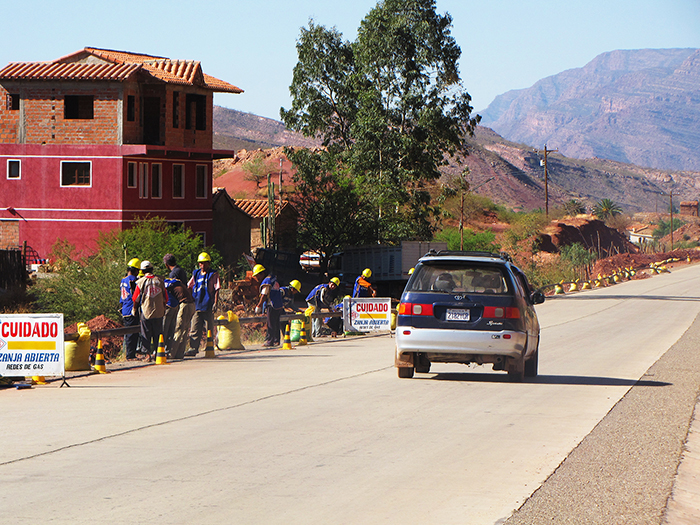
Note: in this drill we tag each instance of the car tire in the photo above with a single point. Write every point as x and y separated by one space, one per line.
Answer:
406 372
531 365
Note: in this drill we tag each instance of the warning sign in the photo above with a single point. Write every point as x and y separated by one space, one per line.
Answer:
367 314
31 344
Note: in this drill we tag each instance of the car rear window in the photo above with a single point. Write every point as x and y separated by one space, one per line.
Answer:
471 279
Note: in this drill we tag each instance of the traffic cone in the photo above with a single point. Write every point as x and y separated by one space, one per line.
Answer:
161 356
302 335
209 352
100 359
287 345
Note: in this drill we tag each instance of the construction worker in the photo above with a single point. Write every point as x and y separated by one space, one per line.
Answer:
204 286
288 293
321 297
126 302
270 303
151 297
363 288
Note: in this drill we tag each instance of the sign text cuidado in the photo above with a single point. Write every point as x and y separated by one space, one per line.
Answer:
31 344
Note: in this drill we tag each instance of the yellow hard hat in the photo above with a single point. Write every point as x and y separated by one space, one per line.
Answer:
203 257
296 285
258 268
335 281
134 263
366 273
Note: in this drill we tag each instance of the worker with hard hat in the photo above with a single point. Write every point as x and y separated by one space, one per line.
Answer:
151 297
204 286
288 293
320 297
363 287
126 303
271 304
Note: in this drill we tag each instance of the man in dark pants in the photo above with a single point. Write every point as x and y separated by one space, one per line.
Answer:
126 302
204 286
271 303
151 297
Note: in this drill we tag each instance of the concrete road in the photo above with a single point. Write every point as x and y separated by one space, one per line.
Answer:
327 433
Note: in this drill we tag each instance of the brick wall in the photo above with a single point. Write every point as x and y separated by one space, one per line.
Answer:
9 234
9 120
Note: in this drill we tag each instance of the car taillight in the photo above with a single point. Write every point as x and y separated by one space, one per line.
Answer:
415 309
501 312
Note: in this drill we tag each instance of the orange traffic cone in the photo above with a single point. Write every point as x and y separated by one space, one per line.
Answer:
161 356
287 345
100 359
209 352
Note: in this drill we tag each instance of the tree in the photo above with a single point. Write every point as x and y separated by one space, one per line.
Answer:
574 207
390 107
331 206
606 209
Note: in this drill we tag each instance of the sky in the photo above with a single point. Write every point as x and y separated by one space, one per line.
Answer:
506 44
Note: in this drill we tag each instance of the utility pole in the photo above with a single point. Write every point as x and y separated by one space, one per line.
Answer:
670 198
546 180
280 184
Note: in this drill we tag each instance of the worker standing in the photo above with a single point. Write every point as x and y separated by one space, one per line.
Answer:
151 297
363 287
126 301
204 286
270 302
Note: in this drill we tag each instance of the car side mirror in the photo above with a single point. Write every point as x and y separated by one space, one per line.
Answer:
537 297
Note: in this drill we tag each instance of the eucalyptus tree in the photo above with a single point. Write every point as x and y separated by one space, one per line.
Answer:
390 107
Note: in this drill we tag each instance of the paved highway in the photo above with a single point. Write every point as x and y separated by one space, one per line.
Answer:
327 433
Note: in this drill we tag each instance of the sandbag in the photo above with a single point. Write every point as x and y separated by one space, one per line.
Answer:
77 353
229 333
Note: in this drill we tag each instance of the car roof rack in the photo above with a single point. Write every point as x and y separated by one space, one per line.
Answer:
501 255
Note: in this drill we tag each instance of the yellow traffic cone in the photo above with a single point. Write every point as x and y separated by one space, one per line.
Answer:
287 345
209 352
302 335
161 356
558 289
100 359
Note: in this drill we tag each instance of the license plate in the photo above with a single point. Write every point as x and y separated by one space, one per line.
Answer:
457 315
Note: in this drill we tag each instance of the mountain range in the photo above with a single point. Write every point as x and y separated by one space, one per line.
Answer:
625 127
634 106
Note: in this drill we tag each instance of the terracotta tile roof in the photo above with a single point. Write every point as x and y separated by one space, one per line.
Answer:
257 208
119 67
70 71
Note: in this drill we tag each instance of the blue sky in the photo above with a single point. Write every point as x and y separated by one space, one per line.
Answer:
506 44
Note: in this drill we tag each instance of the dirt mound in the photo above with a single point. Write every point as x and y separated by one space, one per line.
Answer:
111 346
592 233
639 261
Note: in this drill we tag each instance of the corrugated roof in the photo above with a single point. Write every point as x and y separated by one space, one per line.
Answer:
70 71
257 208
119 66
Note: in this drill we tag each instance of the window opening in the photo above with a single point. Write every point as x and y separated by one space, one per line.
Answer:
14 170
75 173
178 181
201 182
78 107
131 175
176 109
143 182
196 111
131 108
156 181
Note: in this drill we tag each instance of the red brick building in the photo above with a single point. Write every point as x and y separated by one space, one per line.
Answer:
96 139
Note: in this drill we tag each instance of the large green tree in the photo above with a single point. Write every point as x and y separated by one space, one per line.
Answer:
389 107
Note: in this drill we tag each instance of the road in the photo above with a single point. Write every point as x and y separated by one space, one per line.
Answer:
327 433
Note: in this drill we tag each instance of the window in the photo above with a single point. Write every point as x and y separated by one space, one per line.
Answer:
196 112
78 107
156 181
130 108
201 182
75 173
178 181
13 102
176 109
143 181
14 170
131 175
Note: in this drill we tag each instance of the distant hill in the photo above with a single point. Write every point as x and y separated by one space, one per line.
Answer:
518 177
635 106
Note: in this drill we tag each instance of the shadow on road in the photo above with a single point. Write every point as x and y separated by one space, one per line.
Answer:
542 379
